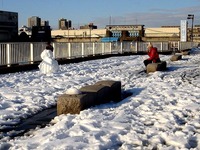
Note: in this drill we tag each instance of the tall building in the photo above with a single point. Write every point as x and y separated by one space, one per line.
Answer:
8 26
40 29
65 24
44 23
34 21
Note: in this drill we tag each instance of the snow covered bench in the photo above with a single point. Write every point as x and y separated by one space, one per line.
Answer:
156 67
185 52
99 92
176 57
90 95
115 89
74 103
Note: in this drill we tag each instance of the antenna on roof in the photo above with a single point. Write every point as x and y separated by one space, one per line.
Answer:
110 19
136 21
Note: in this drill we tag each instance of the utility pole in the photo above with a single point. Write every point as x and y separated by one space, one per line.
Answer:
191 16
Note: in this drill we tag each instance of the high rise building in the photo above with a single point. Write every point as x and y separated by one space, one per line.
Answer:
8 26
44 23
34 21
65 24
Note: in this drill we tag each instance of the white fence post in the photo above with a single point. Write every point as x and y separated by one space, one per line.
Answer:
31 53
110 47
136 46
103 47
179 45
161 46
93 49
82 49
54 51
8 55
121 46
69 50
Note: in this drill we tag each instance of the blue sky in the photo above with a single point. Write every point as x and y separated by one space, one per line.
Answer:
151 13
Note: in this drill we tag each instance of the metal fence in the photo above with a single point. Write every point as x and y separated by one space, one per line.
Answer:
27 53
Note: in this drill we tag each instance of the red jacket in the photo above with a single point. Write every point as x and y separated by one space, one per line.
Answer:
153 54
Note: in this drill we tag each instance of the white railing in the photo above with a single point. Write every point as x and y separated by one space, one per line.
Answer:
27 53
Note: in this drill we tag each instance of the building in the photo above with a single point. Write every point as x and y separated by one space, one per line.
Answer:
40 30
78 35
113 33
44 23
164 33
24 34
89 26
41 34
8 26
34 21
64 24
126 32
195 32
90 33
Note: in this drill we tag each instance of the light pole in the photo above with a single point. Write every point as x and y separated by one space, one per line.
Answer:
90 27
191 16
68 29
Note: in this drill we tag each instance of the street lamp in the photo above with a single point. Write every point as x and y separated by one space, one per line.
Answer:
191 16
68 29
90 27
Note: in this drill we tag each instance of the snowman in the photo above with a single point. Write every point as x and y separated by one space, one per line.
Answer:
49 64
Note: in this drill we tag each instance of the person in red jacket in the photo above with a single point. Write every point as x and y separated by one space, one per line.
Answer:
153 55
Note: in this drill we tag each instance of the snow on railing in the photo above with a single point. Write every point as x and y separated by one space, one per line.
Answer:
28 53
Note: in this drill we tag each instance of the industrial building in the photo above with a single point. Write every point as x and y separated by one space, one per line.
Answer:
8 26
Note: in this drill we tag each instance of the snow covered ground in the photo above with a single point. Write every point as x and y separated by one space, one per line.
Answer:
163 112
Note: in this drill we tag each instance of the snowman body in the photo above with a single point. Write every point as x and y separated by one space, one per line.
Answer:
48 64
